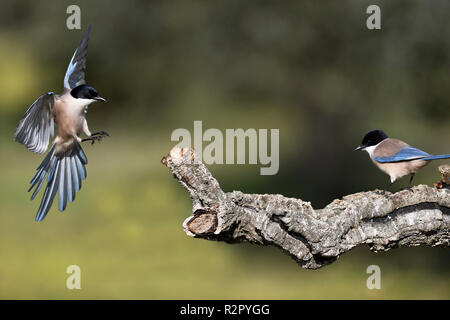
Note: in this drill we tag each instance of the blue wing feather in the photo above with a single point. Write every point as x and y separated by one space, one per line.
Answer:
404 154
410 153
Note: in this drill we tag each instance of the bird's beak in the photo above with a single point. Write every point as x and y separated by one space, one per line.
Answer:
359 147
100 99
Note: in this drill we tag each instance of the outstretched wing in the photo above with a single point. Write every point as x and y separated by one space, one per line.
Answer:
404 154
37 126
75 71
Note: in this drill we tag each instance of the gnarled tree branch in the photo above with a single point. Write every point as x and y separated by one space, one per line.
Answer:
314 238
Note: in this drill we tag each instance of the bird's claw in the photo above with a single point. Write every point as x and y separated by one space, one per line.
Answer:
97 136
382 192
408 188
100 133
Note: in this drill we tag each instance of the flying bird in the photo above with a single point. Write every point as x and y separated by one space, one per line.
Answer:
395 157
64 166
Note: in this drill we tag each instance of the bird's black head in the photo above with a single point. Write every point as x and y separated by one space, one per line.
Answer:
86 92
372 138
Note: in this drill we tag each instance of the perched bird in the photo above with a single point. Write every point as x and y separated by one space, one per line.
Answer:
395 157
64 165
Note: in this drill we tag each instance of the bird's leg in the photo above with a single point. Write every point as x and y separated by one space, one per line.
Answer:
410 180
389 186
408 187
97 136
101 133
86 128
410 183
93 139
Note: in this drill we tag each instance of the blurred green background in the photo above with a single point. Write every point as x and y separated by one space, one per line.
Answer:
310 68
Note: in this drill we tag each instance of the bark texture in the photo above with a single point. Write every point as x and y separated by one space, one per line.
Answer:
314 238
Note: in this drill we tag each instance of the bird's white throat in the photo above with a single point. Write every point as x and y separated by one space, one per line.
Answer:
370 150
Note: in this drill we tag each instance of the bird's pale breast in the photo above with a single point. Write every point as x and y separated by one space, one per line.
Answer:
395 170
68 116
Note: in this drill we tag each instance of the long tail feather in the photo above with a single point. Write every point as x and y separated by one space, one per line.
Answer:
69 184
49 195
81 169
64 174
440 156
62 199
75 177
43 168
